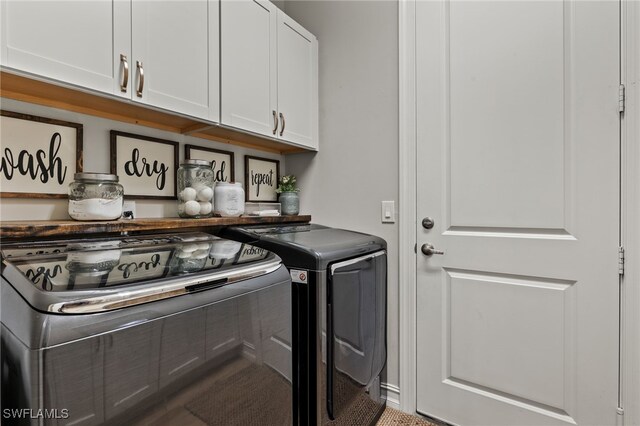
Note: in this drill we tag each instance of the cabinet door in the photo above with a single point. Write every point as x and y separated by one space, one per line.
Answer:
73 380
172 43
297 83
130 366
248 90
77 42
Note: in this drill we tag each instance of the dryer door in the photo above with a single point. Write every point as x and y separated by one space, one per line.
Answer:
356 328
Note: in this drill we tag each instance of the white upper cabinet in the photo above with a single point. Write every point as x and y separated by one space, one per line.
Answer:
160 53
269 73
297 83
76 42
243 63
175 56
248 59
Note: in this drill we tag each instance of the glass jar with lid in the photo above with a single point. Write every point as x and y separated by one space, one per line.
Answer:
95 196
195 189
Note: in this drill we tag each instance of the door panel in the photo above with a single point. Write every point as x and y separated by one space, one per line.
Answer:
484 309
77 42
297 82
171 40
518 154
506 114
356 314
248 80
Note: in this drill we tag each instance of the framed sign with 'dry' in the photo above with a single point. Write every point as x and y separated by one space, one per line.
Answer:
39 156
146 166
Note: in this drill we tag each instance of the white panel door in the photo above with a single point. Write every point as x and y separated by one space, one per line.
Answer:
518 165
172 43
297 83
77 42
249 79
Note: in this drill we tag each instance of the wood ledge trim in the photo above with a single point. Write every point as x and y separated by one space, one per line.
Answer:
46 228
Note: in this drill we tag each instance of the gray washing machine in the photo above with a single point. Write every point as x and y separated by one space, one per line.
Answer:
339 318
158 329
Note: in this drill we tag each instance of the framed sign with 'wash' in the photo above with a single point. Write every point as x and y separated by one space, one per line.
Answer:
146 166
39 156
261 176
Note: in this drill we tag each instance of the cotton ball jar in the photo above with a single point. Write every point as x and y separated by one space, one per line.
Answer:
192 208
195 189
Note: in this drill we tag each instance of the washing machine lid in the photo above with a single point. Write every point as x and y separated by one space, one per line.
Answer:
313 246
79 277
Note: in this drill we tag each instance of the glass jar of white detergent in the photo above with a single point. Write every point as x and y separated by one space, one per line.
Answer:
195 189
95 196
229 199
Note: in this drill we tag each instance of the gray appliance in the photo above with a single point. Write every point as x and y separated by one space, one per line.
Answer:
339 318
157 329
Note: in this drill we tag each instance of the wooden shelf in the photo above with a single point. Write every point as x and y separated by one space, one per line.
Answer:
47 228
40 92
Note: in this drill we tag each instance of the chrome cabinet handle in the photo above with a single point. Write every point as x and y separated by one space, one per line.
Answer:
140 78
125 74
283 123
429 250
275 122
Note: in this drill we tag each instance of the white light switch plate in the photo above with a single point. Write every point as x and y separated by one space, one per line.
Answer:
388 212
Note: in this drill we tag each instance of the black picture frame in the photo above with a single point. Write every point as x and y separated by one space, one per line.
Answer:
248 186
188 155
68 177
125 177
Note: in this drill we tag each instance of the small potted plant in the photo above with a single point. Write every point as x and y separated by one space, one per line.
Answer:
289 197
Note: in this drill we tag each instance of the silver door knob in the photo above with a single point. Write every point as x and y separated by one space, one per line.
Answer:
428 250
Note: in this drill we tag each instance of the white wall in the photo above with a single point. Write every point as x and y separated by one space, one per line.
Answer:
96 144
357 165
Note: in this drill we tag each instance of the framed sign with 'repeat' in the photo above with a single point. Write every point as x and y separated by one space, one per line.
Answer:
261 176
39 156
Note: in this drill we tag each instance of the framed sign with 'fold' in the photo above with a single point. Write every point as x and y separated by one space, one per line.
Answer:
221 161
39 156
146 166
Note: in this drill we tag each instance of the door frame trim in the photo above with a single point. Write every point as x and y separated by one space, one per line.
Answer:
630 206
407 203
630 233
